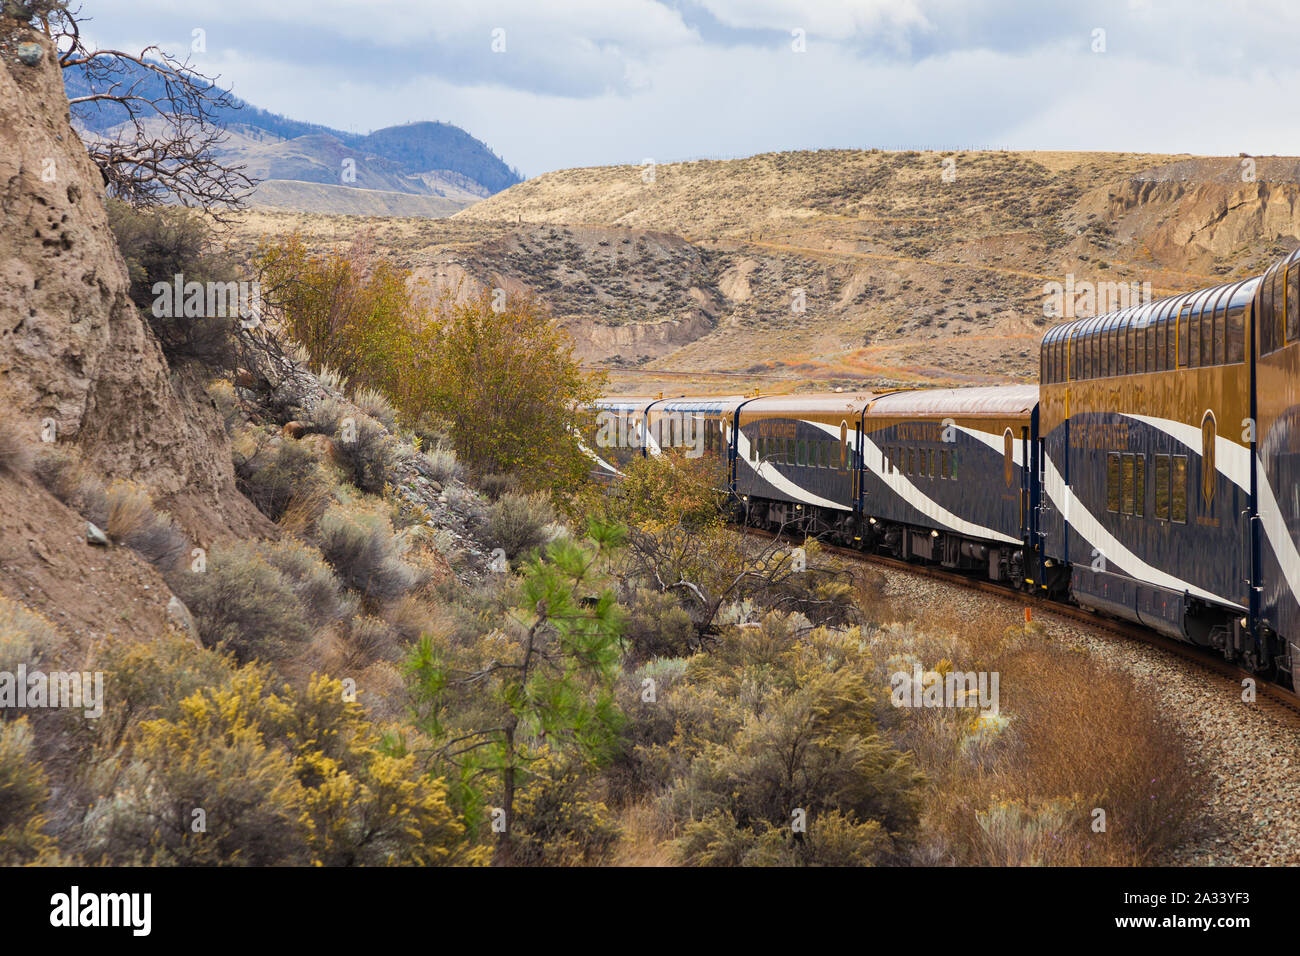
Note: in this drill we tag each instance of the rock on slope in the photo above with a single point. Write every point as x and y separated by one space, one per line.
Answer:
73 349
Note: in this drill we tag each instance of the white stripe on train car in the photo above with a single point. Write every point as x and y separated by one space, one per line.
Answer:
1233 462
1230 459
997 443
899 484
600 461
769 473
1108 546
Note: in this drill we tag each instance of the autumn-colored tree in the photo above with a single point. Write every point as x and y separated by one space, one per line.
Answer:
498 370
666 489
504 376
350 309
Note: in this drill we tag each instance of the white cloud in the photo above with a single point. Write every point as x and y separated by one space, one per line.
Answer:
587 82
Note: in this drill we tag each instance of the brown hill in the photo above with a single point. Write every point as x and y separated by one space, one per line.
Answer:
847 266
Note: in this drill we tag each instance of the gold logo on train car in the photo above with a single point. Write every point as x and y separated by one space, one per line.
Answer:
1008 456
1209 474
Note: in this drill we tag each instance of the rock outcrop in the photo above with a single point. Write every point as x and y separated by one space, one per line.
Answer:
75 355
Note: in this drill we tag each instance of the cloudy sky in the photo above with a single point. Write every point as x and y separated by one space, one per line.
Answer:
550 84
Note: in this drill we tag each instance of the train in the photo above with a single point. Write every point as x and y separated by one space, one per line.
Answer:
1152 474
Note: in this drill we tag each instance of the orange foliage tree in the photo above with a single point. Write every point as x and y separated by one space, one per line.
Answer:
499 371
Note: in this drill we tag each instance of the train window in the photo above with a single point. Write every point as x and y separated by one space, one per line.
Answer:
1140 342
1237 331
1126 503
1062 354
1112 482
1108 349
1076 366
929 461
1279 305
920 463
943 463
824 454
1189 350
1178 488
803 451
753 450
1268 338
1094 346
954 464
1162 487
1221 326
1148 364
1161 328
1131 362
1178 333
911 460
1172 332
789 451
1293 301
1207 330
1140 485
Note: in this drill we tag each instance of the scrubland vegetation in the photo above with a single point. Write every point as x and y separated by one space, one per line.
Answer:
636 682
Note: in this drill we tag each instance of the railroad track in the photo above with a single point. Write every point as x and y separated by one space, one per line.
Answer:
1277 696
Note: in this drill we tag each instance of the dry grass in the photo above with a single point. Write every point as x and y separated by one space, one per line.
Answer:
135 522
643 841
15 450
1074 736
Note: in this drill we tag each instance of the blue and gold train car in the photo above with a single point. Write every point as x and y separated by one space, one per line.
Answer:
795 461
1153 474
1146 479
946 478
1275 524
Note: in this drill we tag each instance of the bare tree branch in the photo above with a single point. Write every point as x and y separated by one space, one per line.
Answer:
165 149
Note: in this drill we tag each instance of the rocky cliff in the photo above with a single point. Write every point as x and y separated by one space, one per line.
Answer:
76 360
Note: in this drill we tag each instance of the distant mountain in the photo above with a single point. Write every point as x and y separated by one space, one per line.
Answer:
422 159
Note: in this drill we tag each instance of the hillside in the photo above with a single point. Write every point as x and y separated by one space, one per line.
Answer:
695 277
428 159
